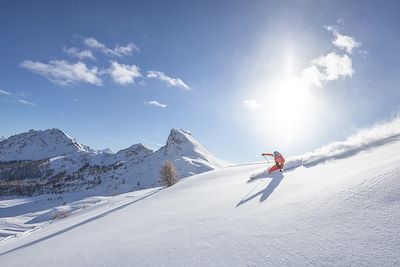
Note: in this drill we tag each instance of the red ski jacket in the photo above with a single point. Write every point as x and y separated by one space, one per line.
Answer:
279 160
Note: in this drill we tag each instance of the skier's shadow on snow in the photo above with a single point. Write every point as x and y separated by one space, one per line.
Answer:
266 192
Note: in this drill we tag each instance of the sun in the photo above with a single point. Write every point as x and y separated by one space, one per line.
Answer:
282 107
288 107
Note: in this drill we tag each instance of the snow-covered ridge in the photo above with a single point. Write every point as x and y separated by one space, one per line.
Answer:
182 143
137 150
59 163
37 144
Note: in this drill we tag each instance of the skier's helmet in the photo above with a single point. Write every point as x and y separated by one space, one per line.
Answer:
276 154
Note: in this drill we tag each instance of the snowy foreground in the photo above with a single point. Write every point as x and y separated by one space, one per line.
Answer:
342 212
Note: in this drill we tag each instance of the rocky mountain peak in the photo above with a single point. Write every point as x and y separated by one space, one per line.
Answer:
38 144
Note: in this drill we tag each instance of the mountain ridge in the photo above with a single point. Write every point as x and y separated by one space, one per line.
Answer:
62 164
39 144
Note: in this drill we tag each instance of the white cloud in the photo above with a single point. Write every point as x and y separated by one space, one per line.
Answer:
3 92
81 54
125 50
334 66
327 68
251 104
64 73
155 104
330 28
170 81
118 51
345 42
24 102
124 74
91 42
331 66
312 76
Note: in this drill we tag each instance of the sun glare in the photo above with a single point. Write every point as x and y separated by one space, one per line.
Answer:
289 109
283 110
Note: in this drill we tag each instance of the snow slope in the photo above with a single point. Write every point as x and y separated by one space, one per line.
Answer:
341 211
23 216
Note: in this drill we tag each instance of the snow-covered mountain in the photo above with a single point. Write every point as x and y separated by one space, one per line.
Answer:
35 145
2 138
187 153
50 161
130 153
338 206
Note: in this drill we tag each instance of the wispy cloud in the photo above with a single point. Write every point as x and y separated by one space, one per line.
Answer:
28 103
81 54
4 92
155 104
14 98
24 93
170 81
327 68
64 73
251 104
345 42
124 74
118 51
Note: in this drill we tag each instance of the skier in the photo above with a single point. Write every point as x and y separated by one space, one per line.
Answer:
279 161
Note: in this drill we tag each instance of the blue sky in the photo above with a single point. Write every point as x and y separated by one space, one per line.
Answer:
245 77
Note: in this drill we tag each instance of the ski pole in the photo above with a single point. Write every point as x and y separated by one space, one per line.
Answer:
266 158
